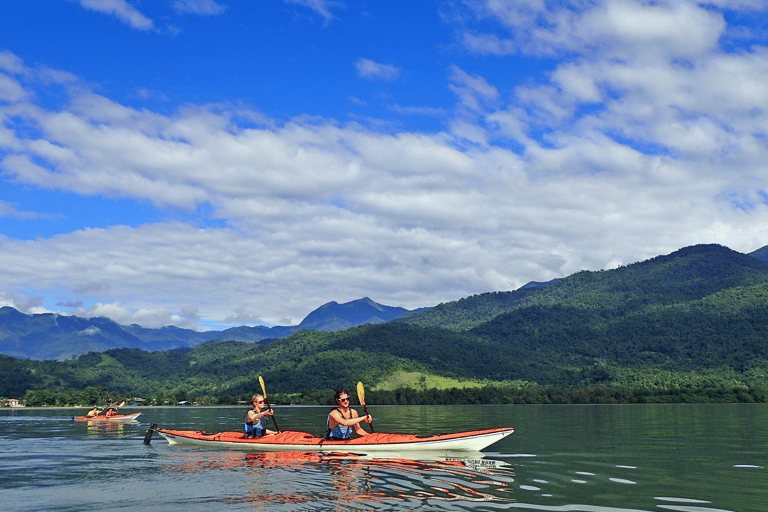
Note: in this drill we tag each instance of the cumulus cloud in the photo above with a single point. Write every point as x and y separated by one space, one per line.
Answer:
607 158
619 27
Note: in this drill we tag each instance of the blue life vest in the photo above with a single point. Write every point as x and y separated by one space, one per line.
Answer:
254 429
339 431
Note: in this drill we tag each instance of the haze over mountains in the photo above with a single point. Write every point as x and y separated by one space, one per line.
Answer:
538 313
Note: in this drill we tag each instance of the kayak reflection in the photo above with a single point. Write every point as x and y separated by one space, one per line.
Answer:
343 478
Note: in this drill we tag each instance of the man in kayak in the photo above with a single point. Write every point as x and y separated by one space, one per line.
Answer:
342 420
254 426
93 412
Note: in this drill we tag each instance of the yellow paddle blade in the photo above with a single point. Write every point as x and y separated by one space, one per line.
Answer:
263 388
361 393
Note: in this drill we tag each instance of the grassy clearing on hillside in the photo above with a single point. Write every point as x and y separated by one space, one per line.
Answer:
422 381
107 360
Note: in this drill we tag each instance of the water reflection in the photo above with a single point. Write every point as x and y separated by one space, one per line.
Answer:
342 479
108 428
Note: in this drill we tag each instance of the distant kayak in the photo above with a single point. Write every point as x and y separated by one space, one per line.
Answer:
102 417
475 441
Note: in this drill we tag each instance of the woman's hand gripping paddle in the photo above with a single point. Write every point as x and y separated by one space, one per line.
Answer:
361 397
269 407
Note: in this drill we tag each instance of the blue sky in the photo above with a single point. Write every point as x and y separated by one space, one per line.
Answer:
206 163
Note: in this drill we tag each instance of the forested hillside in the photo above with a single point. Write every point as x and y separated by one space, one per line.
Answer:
688 274
692 323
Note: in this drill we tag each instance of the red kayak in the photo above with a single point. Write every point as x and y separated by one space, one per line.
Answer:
103 417
475 440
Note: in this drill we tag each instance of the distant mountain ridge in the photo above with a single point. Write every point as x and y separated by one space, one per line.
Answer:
693 319
53 336
682 277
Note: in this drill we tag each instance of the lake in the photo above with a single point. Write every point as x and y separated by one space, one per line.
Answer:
596 458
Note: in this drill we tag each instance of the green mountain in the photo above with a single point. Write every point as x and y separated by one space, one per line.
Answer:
334 316
693 319
689 274
761 253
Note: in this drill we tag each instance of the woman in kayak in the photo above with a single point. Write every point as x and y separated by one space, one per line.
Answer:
254 426
342 420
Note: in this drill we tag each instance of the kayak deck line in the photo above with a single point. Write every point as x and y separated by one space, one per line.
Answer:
475 440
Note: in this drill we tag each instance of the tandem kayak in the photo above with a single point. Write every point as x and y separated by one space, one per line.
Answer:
474 441
102 417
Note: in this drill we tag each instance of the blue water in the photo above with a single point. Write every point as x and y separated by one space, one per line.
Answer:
686 458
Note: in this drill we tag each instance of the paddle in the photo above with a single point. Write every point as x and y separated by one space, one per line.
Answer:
361 397
106 407
269 407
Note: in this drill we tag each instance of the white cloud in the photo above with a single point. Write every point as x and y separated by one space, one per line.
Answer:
8 209
202 7
474 92
11 63
321 7
367 68
121 10
679 27
608 158
489 44
626 27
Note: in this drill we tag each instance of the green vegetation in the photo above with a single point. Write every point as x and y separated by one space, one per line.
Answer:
424 381
691 326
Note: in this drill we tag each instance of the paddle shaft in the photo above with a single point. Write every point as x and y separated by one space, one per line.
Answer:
365 408
269 407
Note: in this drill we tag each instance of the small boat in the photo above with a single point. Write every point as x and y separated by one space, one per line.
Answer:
105 418
473 441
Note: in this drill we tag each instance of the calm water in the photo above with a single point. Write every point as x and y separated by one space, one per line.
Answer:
686 458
